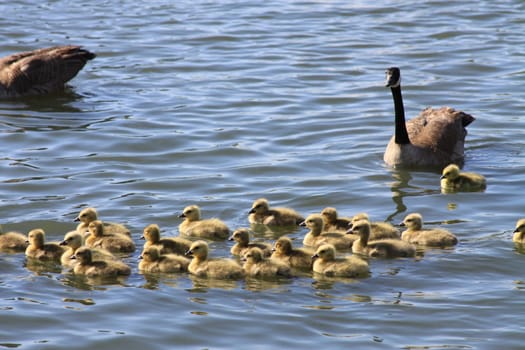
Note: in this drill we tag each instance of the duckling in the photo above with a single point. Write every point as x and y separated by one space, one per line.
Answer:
327 264
380 230
202 266
73 240
316 236
93 268
519 236
284 252
256 265
416 234
261 213
153 261
242 237
167 245
332 222
41 71
14 242
453 180
37 249
114 242
384 248
194 226
88 215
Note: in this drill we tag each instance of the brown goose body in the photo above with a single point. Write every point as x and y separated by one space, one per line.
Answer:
41 71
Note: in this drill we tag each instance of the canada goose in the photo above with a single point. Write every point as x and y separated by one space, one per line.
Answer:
73 240
153 261
13 242
261 213
256 265
202 266
87 266
519 232
383 248
284 252
434 138
194 226
88 215
317 236
327 264
40 250
114 242
242 238
416 234
332 221
167 245
453 180
41 71
379 230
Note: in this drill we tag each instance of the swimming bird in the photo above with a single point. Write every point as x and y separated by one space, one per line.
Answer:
41 71
203 266
94 268
318 236
454 180
13 242
379 229
432 237
262 213
73 240
40 250
88 215
283 251
167 245
328 264
519 232
194 226
242 238
153 261
383 248
114 242
434 138
256 265
332 221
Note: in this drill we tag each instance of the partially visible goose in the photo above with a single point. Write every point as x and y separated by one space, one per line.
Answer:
193 225
379 229
284 251
318 236
114 242
93 268
167 245
41 71
519 232
203 266
454 180
13 242
40 250
153 261
328 264
382 248
242 238
434 138
73 240
262 213
256 265
432 237
88 215
333 222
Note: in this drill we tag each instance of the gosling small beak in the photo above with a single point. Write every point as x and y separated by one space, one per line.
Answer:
142 237
302 224
230 238
252 211
73 257
77 219
63 243
315 256
182 215
189 253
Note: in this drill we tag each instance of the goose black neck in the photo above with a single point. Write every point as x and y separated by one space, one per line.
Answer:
401 135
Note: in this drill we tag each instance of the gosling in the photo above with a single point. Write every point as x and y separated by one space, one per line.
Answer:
88 215
327 264
384 248
202 266
453 180
261 213
316 236
299 258
416 234
194 226
73 240
242 238
332 221
379 229
167 245
40 250
519 232
153 261
96 268
13 242
256 265
114 242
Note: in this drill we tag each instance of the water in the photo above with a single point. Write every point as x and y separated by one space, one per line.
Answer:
220 103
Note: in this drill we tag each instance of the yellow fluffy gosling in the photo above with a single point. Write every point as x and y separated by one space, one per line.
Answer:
332 221
242 238
73 240
317 236
519 232
153 261
256 265
453 180
88 215
434 237
13 242
261 213
202 266
114 242
194 226
92 268
327 264
40 250
383 248
167 245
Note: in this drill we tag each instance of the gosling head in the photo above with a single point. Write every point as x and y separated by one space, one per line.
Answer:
413 221
329 214
361 228
36 237
260 206
191 213
151 233
198 249
241 235
83 255
87 215
520 226
355 218
150 254
326 252
96 228
253 255
73 239
451 172
314 222
283 245
393 77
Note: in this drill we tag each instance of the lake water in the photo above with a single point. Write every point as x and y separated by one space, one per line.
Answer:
218 103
